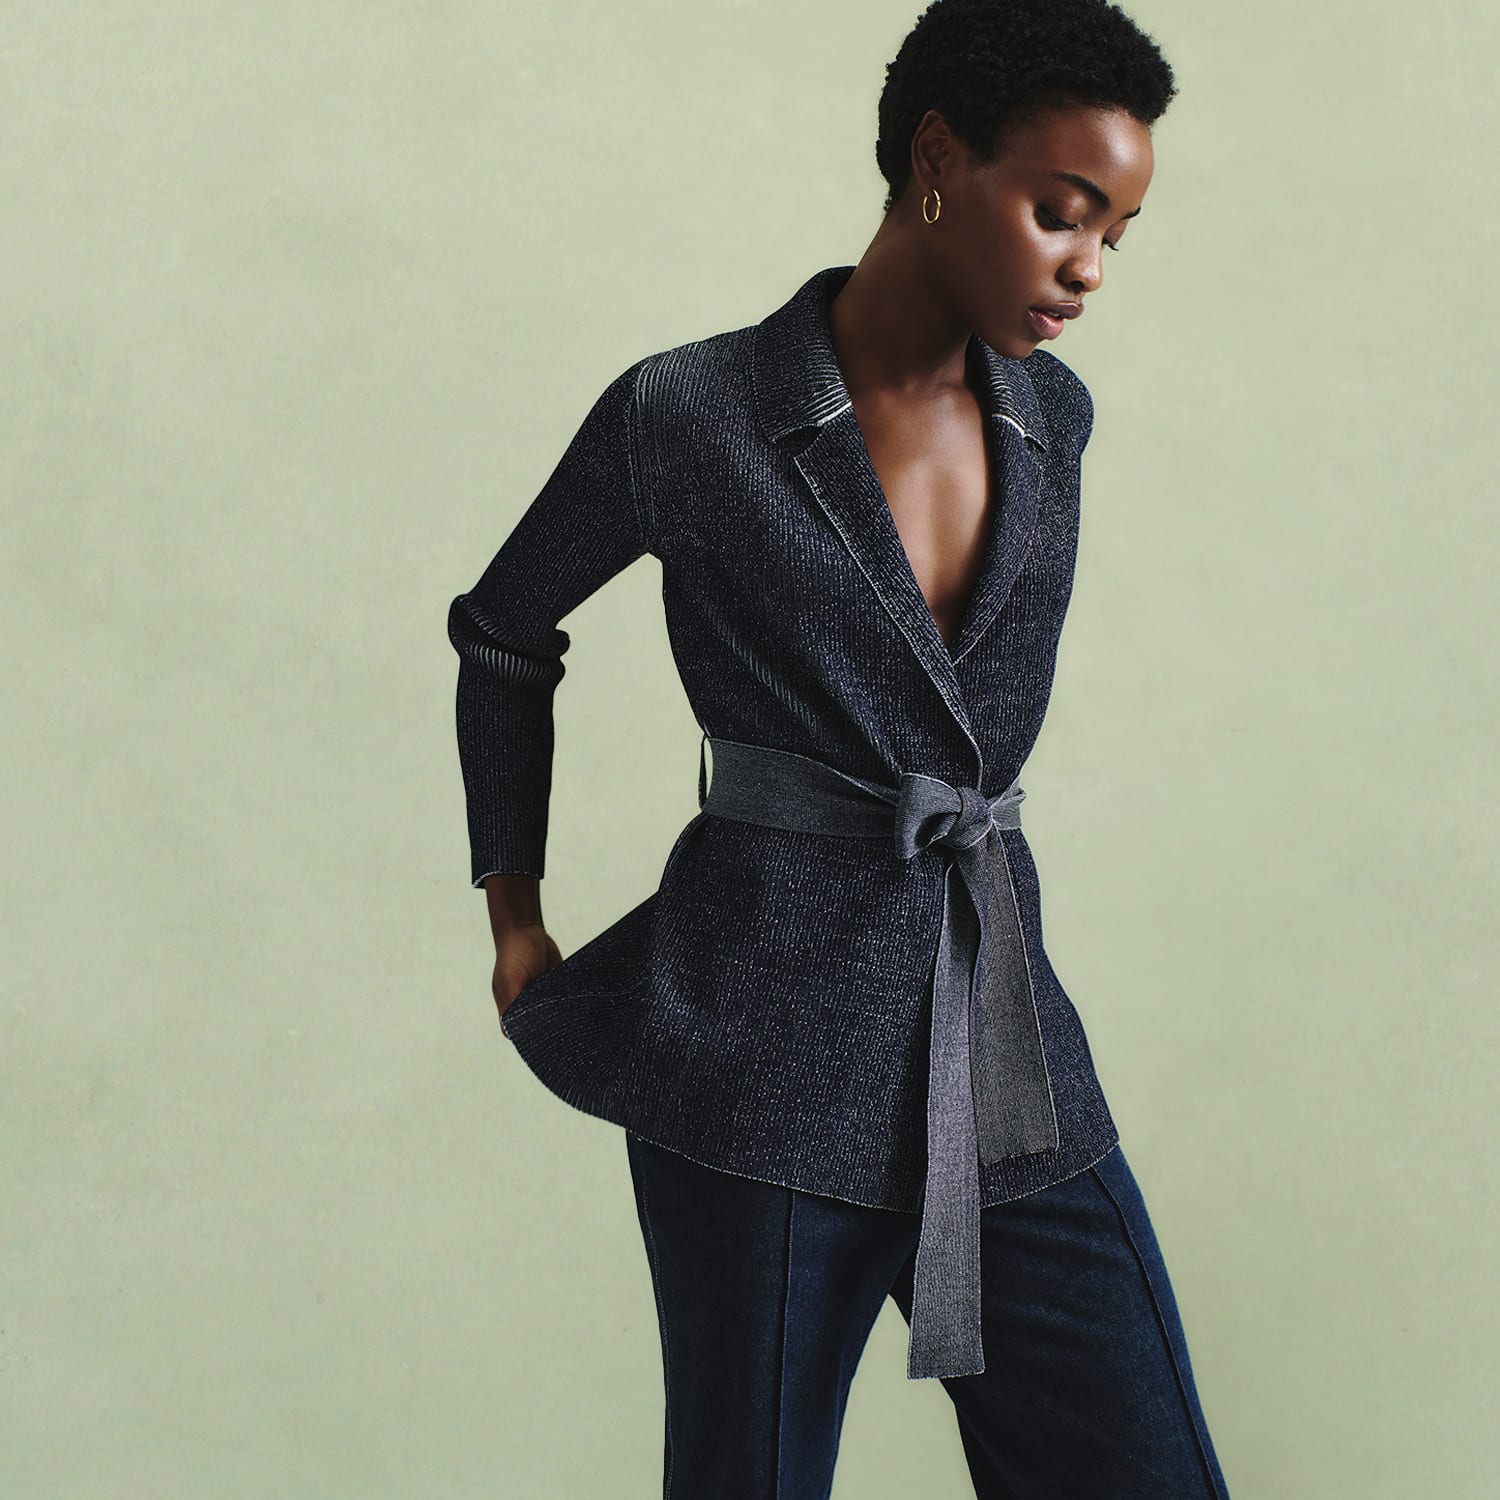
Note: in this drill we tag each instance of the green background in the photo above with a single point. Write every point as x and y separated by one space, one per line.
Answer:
301 304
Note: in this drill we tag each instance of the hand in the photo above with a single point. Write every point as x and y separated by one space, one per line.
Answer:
521 955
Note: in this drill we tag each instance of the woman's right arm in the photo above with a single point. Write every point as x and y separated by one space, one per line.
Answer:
524 949
588 522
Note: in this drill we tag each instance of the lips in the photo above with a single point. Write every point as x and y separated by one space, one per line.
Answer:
1060 309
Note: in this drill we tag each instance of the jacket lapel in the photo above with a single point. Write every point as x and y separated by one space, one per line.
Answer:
798 384
1016 470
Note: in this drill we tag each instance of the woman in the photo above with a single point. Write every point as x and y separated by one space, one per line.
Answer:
844 1064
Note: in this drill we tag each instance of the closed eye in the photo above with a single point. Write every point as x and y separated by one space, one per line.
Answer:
1057 223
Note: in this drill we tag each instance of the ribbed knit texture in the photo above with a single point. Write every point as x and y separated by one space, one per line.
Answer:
767 1009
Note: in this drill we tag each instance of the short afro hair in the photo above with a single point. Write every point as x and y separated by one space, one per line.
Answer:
990 65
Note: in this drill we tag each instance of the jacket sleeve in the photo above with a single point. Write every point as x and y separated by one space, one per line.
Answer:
587 523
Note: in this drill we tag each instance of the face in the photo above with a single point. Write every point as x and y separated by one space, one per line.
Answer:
1034 228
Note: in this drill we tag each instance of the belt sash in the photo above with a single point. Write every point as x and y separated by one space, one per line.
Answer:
988 1091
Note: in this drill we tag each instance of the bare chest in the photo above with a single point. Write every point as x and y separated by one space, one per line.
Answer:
933 466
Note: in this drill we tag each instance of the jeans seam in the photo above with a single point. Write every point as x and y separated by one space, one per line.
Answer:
786 1299
661 1318
1187 1408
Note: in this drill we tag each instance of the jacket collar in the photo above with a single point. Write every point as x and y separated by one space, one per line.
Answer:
798 382
797 385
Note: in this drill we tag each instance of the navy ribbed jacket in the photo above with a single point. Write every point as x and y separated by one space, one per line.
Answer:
767 1009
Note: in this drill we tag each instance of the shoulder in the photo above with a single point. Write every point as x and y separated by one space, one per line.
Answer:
1064 396
674 391
690 398
686 377
677 375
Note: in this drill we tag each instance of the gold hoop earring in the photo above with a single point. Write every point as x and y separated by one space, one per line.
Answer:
939 197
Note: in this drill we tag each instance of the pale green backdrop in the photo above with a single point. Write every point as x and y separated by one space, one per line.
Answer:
301 303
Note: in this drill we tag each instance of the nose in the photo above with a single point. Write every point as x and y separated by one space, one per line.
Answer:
1084 272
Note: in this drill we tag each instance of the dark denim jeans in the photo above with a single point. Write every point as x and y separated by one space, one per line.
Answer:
766 1296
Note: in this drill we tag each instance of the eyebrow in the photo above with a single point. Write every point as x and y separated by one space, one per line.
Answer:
1094 191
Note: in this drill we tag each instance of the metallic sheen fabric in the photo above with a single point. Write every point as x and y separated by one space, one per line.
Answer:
987 1091
768 1009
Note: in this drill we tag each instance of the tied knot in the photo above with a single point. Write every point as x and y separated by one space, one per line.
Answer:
930 811
989 1096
